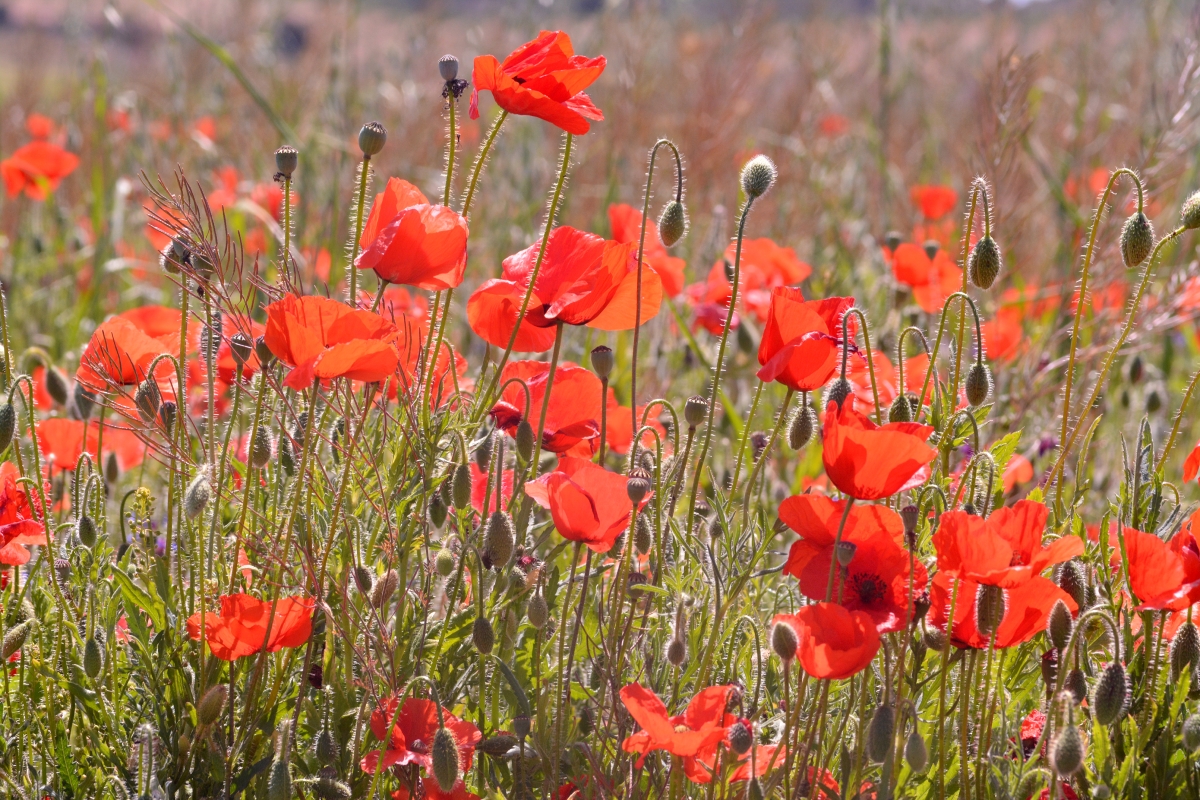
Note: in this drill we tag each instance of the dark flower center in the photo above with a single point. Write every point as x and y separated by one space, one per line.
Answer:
419 746
870 588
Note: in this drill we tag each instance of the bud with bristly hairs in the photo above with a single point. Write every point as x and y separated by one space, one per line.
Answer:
211 704
524 439
1137 239
1059 625
483 635
881 732
741 738
460 487
287 455
537 610
1185 649
85 401
1190 213
990 605
384 588
1110 701
279 782
56 386
445 757
900 409
265 357
499 540
85 529
916 753
444 562
1191 733
672 223
198 493
14 640
1075 685
802 426
979 384
784 641
8 425
934 639
147 398
261 448
166 417
437 511
364 579
643 538
1072 580
1066 756
758 176
838 391
983 265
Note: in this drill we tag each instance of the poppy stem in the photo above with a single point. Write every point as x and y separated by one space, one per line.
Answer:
837 541
762 458
1187 396
946 645
452 141
741 450
541 428
603 417
480 160
241 525
977 186
364 172
562 691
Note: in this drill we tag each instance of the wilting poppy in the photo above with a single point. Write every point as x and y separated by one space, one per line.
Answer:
816 519
833 642
626 222
36 168
323 339
1005 549
544 79
869 461
19 525
934 201
241 627
62 441
408 240
408 735
692 736
1026 608
588 503
573 415
801 343
932 279
584 280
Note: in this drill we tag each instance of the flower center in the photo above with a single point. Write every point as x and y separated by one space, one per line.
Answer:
418 746
681 729
869 588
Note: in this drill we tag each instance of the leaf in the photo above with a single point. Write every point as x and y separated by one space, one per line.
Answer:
522 699
141 598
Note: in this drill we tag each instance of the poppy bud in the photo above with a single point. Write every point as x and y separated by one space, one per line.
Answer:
880 733
1185 649
444 562
838 391
8 425
990 605
602 361
93 657
1076 685
1066 757
56 386
483 453
499 539
1191 733
537 611
979 383
637 486
784 641
461 487
364 579
166 417
196 498
265 357
695 410
437 511
85 401
900 410
1190 213
14 640
211 704
1110 701
444 755
802 426
524 440
916 754
672 223
983 265
260 448
921 604
174 254
240 347
758 443
497 746
287 455
483 636
371 140
279 783
758 176
845 553
676 652
892 239
1137 239
147 398
1072 581
112 469
384 588
1059 625
287 158
643 540
745 340
85 528
1154 397
934 639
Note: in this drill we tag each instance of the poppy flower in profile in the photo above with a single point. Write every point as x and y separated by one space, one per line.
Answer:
37 169
1005 549
626 222
833 642
801 343
588 503
321 338
62 441
933 201
1027 607
1191 464
19 525
1164 577
816 519
693 736
408 735
240 629
544 79
932 279
408 240
584 280
869 461
573 415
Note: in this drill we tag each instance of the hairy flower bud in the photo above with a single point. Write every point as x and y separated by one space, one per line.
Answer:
499 540
371 140
881 732
990 605
672 223
643 538
265 357
784 641
8 425
1137 239
384 588
93 657
1066 756
211 704
838 391
444 755
802 427
525 437
1076 685
916 753
1072 580
437 511
537 611
147 398
695 410
934 638
983 265
85 529
287 455
758 176
85 401
483 635
261 448
460 487
1059 625
1191 733
287 158
900 410
166 417
364 579
602 361
56 386
444 562
14 640
1190 213
198 493
741 738
979 383
676 652
1185 649
1110 700
325 747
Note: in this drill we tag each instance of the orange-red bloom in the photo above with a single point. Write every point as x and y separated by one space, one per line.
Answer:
587 502
119 354
764 266
584 280
934 202
409 734
324 339
62 441
1005 549
37 169
19 525
765 758
801 343
543 78
1163 576
869 461
816 518
1026 608
573 415
692 736
241 628
408 240
833 642
626 222
932 279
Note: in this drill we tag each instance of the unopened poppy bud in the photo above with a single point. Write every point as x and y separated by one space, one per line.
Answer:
8 425
602 361
384 588
211 704
931 248
325 748
444 757
845 553
437 511
1059 625
1072 581
497 746
85 401
85 529
364 579
265 357
892 239
758 176
499 539
1137 239
921 604
371 140
524 438
1049 667
147 398
784 641
1185 649
672 223
279 781
460 487
261 448
1066 757
1190 213
1154 397
196 498
695 410
444 562
1191 733
287 158
900 410
916 753
934 638
910 516
1110 700
483 635
483 454
676 652
643 539
637 487
14 640
240 347
56 386
838 391
62 569
983 265
287 455
802 427
979 383
758 443
990 605
448 67
1076 685
93 657
881 732
537 610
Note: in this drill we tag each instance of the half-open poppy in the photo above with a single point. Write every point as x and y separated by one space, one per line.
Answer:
801 342
832 642
324 339
869 461
408 240
588 503
19 525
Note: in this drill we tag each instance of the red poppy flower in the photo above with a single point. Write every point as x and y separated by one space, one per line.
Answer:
1026 608
1003 550
573 415
692 737
119 354
934 202
324 339
626 222
1031 730
1018 470
401 306
764 266
584 280
932 280
36 168
587 502
833 642
544 79
19 524
801 344
241 628
869 461
1003 336
269 196
1191 464
62 441
428 789
618 430
39 126
409 734
765 758
479 480
816 518
1163 576
408 240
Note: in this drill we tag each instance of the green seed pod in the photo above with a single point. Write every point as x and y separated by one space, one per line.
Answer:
211 704
279 783
1137 239
695 411
1071 579
1185 649
93 657
602 361
643 539
537 611
758 176
881 733
85 401
196 498
984 263
287 455
1191 733
784 641
56 386
287 158
261 448
8 425
990 605
838 391
916 753
672 223
676 652
325 748
384 588
460 491
900 410
437 511
371 140
979 383
147 398
14 640
1110 701
802 427
444 755
741 738
525 437
445 562
1066 756
1059 625
483 636
1190 213
499 541
85 529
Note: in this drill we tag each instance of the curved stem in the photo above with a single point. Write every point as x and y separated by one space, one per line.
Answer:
1187 396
